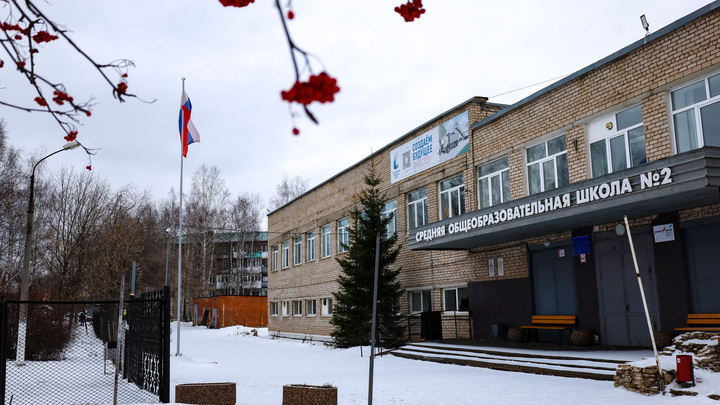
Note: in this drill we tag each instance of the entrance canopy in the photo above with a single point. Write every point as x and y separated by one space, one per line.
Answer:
682 181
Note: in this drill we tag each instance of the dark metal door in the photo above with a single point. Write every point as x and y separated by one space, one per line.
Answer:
554 281
703 250
553 285
622 315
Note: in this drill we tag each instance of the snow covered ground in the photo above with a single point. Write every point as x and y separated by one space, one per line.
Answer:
260 366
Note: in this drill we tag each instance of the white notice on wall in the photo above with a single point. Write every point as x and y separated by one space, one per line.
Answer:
491 266
664 233
501 270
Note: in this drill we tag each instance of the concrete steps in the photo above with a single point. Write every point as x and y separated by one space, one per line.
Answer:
535 362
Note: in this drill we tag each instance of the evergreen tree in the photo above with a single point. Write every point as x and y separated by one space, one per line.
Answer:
352 317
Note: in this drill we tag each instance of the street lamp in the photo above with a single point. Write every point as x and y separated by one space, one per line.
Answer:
22 324
167 252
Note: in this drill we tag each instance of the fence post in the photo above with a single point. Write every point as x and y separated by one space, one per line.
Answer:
470 328
165 347
456 328
3 350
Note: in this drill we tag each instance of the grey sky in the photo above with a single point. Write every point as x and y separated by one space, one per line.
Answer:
393 75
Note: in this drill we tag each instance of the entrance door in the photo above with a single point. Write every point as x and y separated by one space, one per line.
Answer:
702 244
622 315
214 318
553 284
195 314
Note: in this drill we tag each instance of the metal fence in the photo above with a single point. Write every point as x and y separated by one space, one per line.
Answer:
436 325
72 351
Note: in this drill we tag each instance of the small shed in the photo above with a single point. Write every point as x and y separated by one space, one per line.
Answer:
230 310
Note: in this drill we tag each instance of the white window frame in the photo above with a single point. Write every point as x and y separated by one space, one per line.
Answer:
274 311
502 176
285 309
297 307
343 235
327 307
275 257
540 162
310 249
285 254
413 297
297 250
457 300
325 241
605 130
311 307
694 110
390 208
454 193
417 208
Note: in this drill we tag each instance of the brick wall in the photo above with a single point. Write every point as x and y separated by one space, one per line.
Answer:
235 310
643 76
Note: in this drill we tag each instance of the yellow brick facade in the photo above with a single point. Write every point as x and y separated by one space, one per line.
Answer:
644 75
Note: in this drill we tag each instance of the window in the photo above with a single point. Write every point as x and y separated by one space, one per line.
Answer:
273 308
311 307
696 114
297 308
452 197
417 208
494 183
419 301
617 142
456 299
343 238
297 250
284 308
325 241
275 259
286 254
547 165
390 210
310 238
327 308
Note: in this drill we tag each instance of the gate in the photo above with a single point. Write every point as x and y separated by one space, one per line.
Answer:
71 350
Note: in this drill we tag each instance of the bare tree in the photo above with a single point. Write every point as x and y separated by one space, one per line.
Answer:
72 213
206 214
114 246
13 204
245 221
288 190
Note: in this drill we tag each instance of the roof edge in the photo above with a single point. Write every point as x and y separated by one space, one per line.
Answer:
622 52
474 99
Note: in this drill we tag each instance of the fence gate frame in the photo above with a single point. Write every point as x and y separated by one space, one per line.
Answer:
143 304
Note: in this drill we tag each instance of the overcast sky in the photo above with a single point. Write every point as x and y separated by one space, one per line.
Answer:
393 75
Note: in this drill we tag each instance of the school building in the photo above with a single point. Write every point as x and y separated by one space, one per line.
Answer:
510 211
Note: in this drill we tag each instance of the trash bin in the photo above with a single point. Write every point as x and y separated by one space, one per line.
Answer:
685 374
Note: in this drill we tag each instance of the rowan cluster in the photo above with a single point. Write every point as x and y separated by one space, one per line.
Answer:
410 10
321 88
236 3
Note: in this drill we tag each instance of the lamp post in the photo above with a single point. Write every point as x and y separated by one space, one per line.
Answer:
22 324
167 252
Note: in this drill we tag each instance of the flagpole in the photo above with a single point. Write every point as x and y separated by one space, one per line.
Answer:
179 294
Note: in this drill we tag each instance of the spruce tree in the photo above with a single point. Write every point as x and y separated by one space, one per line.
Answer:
352 317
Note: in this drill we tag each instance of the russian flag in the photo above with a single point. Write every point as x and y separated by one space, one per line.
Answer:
188 133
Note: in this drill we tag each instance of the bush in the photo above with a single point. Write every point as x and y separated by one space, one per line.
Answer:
49 330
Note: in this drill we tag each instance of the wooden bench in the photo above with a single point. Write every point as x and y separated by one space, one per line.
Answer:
558 322
701 322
